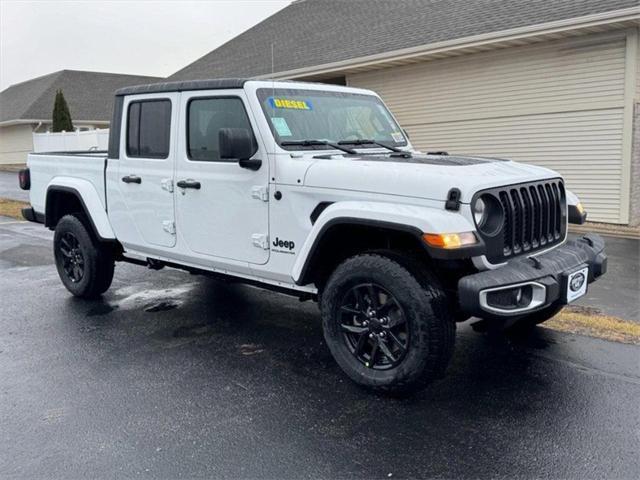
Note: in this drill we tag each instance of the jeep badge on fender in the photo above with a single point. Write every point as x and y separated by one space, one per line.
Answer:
371 232
286 244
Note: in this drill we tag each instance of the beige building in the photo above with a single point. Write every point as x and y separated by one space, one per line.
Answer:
27 107
554 83
15 142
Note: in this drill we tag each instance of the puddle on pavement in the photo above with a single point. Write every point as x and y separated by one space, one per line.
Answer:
249 349
534 341
27 255
161 306
189 331
101 309
538 339
151 300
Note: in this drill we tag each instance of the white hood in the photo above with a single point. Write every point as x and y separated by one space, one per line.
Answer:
423 176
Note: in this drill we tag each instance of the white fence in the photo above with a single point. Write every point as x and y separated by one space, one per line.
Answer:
97 139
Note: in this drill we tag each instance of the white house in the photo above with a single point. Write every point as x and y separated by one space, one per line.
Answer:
27 107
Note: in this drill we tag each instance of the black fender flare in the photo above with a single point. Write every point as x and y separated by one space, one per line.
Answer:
49 213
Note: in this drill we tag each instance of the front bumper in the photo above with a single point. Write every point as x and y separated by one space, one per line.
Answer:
542 279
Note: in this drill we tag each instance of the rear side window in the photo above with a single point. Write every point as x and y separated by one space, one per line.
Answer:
206 116
149 129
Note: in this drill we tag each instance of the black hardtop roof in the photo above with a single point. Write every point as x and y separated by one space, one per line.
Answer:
214 84
211 84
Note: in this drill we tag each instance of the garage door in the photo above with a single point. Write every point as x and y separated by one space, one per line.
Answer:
557 104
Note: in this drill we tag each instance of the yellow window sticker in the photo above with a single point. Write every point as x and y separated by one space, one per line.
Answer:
290 103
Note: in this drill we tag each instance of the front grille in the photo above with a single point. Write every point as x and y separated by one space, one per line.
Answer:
534 218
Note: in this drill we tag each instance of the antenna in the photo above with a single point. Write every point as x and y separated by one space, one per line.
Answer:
273 96
272 62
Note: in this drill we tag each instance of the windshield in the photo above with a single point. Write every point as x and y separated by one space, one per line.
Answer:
296 115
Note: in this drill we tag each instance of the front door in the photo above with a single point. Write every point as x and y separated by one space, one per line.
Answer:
222 208
145 171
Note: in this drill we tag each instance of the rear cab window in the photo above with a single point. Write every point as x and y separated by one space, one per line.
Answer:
149 128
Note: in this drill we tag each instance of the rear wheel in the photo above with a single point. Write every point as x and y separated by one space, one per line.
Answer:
84 264
389 329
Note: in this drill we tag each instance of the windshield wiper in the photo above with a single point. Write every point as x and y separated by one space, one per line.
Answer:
311 143
362 141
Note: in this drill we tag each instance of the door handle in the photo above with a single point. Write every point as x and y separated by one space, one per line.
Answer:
189 183
132 179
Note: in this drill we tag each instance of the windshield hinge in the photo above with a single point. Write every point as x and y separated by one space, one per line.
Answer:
167 184
169 226
260 192
260 240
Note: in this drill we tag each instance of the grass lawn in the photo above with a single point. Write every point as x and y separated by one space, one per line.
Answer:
590 322
13 168
12 208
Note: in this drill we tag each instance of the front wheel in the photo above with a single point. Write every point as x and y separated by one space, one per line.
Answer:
84 265
389 329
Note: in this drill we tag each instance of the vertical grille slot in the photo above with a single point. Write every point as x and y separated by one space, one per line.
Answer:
519 222
552 212
533 217
537 208
544 236
558 212
528 219
508 224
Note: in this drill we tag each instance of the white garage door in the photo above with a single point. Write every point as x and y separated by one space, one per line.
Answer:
557 104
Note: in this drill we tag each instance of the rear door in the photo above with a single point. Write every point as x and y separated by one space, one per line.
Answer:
227 215
145 170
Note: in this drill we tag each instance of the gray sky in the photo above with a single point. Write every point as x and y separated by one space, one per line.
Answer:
138 37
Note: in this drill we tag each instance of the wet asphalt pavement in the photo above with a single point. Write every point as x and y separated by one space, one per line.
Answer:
9 187
172 375
618 292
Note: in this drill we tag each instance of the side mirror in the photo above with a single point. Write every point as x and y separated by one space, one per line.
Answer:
236 143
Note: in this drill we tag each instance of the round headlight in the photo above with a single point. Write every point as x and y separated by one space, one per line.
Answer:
488 214
479 211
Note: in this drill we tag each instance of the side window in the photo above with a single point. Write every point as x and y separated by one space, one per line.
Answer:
149 129
205 118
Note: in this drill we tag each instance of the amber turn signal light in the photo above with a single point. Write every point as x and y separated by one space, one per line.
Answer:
450 240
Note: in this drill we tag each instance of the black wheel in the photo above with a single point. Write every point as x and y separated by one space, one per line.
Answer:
528 322
84 265
389 329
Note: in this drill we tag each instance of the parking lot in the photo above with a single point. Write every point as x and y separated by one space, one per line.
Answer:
173 375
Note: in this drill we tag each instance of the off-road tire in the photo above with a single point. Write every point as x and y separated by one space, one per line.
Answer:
427 310
97 257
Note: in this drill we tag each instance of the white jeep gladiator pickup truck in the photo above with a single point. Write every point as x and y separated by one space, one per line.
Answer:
315 190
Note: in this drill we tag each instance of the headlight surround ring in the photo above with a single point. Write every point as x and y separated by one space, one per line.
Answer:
488 215
479 211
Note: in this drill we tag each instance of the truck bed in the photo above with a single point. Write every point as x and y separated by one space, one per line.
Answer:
65 167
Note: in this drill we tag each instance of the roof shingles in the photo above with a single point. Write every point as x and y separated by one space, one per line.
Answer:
316 32
88 94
